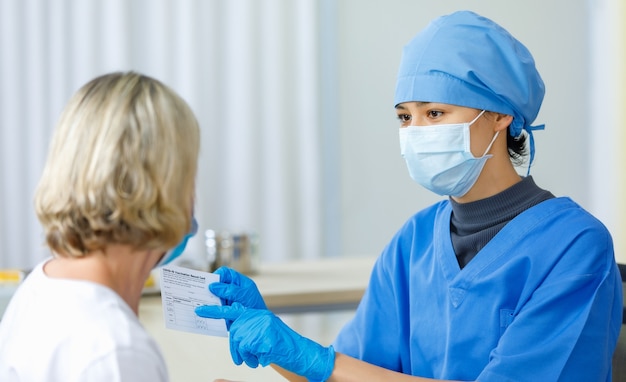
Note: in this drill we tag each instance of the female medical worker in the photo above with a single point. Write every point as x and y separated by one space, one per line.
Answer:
115 197
500 282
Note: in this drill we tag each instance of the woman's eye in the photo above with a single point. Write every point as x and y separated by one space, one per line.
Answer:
404 118
435 113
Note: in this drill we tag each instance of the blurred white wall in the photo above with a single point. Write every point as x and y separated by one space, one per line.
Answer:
248 69
607 131
295 102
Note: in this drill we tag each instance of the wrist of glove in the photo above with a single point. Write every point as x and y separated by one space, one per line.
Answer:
258 337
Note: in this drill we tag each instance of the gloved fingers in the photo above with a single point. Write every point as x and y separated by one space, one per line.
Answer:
258 337
250 360
231 276
229 281
270 340
241 346
221 290
265 358
234 351
228 324
226 274
218 293
240 356
240 351
249 296
226 312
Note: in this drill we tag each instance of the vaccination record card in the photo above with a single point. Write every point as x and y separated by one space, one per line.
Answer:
182 290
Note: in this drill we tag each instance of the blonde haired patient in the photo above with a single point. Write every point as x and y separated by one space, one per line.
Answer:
115 200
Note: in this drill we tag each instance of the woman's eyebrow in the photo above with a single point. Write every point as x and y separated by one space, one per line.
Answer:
419 103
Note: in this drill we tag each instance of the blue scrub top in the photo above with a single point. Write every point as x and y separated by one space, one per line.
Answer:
541 301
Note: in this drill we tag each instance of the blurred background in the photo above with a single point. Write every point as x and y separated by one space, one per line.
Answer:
295 102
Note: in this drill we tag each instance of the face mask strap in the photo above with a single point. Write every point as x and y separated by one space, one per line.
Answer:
491 144
478 116
494 137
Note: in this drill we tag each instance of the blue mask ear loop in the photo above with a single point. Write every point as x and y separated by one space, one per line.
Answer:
529 130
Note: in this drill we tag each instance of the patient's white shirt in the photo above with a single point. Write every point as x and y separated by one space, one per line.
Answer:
70 330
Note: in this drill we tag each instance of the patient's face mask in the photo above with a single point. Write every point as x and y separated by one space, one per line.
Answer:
175 252
439 158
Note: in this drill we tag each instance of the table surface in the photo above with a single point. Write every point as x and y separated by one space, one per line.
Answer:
314 285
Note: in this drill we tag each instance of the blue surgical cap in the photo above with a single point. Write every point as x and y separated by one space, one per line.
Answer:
468 60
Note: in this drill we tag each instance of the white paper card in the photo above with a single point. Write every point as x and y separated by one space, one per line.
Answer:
182 290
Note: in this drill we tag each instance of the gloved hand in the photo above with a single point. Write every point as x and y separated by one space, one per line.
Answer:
259 337
235 287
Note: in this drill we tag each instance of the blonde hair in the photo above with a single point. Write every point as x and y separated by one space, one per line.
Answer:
121 168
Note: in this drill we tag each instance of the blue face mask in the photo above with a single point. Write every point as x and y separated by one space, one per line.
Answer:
173 253
439 158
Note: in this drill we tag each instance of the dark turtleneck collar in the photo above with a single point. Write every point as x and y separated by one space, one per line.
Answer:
473 224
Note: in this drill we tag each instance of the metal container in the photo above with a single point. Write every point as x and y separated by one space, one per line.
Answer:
237 250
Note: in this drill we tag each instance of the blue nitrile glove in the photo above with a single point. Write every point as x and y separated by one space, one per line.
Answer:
259 337
235 287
